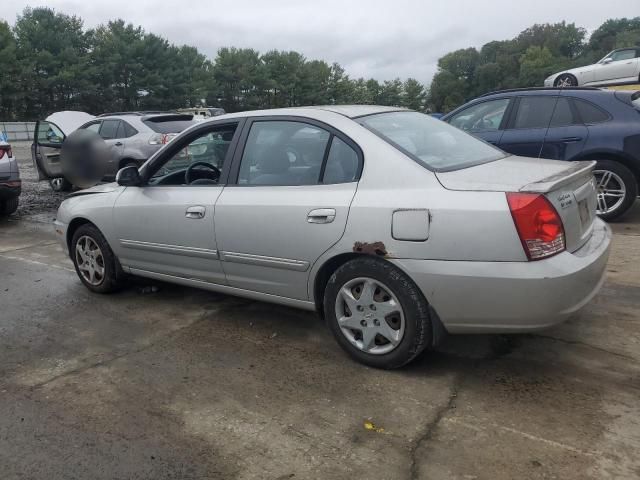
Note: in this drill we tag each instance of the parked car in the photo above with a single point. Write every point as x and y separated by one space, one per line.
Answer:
566 124
132 137
619 66
203 113
10 183
395 226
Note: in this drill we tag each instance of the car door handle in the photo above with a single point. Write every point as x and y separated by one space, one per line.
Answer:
322 215
196 212
571 139
118 144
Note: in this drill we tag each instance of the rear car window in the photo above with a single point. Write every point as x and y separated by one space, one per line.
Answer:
433 143
562 113
534 112
169 123
589 113
109 129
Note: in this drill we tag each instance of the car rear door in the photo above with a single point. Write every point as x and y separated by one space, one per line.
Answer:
527 125
45 150
294 182
109 132
566 136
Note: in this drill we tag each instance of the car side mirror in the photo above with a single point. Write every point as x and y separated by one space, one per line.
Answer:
129 177
607 60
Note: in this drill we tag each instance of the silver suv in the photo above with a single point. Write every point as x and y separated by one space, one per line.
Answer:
10 183
131 136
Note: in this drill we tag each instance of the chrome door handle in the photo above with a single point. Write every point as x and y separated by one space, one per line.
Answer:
196 212
322 215
118 144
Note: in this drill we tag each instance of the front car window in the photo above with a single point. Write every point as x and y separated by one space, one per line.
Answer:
620 55
432 143
49 133
92 127
485 116
210 147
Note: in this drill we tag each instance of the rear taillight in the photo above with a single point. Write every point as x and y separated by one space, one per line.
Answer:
538 223
5 149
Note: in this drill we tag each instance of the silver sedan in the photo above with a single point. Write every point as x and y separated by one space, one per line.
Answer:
394 226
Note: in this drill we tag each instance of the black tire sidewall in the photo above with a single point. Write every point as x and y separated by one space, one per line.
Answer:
631 187
418 331
112 276
66 185
9 206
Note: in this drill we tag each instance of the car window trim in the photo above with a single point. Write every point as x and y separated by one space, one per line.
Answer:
242 143
166 153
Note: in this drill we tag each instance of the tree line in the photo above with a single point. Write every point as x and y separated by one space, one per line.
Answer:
525 60
50 62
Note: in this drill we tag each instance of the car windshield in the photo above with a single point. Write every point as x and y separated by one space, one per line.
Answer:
432 143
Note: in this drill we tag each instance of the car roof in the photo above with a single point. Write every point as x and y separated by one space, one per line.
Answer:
349 111
540 91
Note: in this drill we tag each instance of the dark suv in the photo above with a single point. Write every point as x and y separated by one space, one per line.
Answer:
566 124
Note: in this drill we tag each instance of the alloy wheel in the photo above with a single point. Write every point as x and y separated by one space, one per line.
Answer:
565 81
610 189
370 316
90 260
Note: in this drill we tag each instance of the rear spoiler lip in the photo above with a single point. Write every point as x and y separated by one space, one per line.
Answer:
575 171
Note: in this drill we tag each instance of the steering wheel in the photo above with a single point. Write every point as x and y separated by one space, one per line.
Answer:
188 171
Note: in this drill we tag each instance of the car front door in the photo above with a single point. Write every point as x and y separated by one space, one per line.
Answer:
527 125
166 225
484 120
566 135
294 183
45 150
619 65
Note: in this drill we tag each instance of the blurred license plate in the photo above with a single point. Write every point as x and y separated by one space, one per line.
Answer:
585 214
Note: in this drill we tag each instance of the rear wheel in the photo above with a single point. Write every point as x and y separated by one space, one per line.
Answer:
376 313
616 188
96 265
8 207
566 80
60 184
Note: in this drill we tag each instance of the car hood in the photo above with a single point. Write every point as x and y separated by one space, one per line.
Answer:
69 120
515 174
102 188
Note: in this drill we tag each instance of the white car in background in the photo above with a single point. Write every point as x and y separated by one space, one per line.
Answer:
619 66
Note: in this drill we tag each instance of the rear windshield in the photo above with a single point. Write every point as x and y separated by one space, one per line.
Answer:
169 123
431 142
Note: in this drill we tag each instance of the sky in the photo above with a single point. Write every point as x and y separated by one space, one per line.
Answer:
383 39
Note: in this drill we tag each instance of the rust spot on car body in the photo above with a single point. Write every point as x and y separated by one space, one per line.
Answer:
374 248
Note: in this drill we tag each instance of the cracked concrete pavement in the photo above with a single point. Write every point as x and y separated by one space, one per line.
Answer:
188 384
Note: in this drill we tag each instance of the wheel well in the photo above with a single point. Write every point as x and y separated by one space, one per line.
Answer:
73 226
324 274
616 158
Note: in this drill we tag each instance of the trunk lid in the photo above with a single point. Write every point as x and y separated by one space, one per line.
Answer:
569 186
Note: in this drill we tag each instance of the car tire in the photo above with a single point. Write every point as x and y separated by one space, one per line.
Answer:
60 184
411 324
9 206
566 80
107 273
614 178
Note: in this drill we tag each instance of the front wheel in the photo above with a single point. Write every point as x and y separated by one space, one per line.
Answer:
9 206
616 189
566 80
60 184
376 313
96 265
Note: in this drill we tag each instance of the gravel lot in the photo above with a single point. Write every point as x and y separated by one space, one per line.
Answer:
37 197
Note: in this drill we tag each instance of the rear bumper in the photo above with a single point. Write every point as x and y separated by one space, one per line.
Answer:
510 297
8 191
